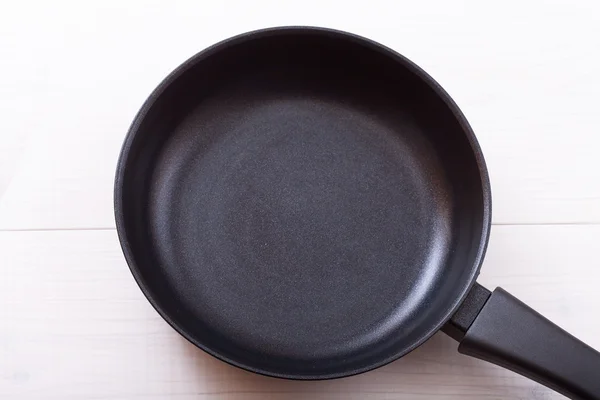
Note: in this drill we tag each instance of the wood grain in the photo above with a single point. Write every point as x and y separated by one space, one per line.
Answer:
74 325
73 75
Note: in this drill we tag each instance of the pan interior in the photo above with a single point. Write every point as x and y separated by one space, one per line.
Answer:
301 204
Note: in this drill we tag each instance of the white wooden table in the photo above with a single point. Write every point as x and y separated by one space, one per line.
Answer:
74 325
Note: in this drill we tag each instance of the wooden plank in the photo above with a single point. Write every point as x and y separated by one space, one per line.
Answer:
74 325
73 75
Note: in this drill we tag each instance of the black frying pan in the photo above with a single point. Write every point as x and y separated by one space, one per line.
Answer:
308 204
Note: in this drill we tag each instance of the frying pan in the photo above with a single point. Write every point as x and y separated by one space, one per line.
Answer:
308 204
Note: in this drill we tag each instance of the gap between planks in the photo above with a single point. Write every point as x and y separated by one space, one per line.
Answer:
113 228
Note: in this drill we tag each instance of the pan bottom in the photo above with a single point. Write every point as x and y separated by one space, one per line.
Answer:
300 228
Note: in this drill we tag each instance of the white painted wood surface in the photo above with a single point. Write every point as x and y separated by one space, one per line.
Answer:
73 324
73 75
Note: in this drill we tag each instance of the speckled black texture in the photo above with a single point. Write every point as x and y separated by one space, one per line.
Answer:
302 203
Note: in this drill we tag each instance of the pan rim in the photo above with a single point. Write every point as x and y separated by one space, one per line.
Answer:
303 30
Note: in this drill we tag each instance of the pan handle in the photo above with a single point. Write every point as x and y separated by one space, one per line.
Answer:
499 328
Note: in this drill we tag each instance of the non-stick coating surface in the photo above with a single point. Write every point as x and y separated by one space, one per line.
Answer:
302 203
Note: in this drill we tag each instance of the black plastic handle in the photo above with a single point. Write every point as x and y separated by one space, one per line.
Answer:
501 329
